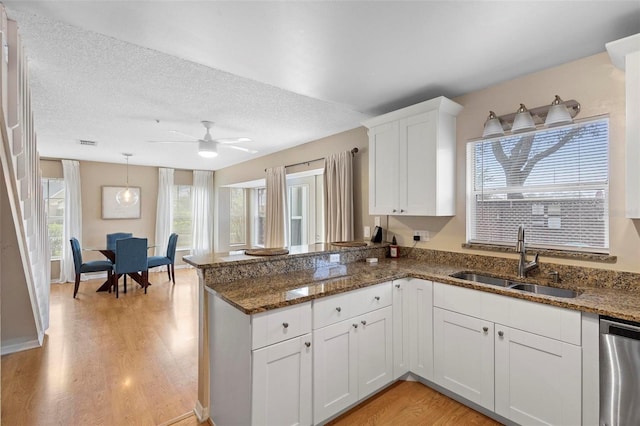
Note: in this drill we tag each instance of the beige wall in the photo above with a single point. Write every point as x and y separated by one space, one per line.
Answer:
592 81
94 175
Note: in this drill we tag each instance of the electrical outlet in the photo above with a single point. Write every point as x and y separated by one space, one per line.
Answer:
367 232
334 258
420 235
377 220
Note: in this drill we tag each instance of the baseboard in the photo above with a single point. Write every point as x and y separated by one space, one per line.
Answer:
20 346
202 413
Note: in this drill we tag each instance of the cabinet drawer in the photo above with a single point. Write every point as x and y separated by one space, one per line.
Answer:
281 324
371 298
332 309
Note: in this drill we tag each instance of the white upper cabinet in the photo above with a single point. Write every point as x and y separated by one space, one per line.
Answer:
412 154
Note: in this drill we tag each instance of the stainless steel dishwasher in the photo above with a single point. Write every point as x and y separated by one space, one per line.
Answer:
619 372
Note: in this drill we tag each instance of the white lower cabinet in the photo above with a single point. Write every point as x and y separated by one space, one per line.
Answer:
538 380
281 384
463 356
352 359
524 376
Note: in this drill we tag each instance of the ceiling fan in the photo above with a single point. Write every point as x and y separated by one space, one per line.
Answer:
207 146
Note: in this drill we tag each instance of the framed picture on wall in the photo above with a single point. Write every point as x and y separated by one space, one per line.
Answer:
111 209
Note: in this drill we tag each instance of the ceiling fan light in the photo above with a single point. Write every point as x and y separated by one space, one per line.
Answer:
492 127
558 113
523 120
207 149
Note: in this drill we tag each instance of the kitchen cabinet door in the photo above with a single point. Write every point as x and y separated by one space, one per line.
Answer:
375 351
403 292
335 372
538 379
383 169
421 328
282 383
463 356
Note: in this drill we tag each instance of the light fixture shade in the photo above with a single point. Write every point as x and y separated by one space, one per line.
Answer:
207 149
492 127
126 197
523 120
558 113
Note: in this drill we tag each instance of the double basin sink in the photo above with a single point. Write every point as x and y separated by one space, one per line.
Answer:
515 285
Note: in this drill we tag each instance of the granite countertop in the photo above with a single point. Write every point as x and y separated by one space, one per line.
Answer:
275 291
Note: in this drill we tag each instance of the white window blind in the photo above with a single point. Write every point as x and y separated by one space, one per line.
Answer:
554 181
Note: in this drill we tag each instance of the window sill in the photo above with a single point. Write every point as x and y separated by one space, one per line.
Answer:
564 254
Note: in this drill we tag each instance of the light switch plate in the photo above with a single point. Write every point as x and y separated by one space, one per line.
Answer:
377 220
367 232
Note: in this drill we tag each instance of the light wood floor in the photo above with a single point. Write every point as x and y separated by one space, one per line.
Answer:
411 404
108 361
133 361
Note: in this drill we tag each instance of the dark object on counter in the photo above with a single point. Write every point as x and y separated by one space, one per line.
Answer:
376 236
394 250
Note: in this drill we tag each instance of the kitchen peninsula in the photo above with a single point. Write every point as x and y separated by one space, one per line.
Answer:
263 317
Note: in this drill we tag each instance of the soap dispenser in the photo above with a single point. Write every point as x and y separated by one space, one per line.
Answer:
393 248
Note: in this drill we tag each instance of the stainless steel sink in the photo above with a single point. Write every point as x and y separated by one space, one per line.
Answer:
543 289
515 285
484 279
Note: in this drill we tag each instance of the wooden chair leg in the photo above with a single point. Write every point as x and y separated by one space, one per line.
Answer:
145 280
125 283
169 271
173 273
77 284
115 283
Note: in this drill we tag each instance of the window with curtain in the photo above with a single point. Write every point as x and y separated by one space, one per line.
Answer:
53 191
238 217
553 181
183 216
259 215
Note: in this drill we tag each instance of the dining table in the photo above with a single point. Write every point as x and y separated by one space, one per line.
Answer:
111 255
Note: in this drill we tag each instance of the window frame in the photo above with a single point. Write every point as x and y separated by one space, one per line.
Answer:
176 191
47 204
245 216
577 186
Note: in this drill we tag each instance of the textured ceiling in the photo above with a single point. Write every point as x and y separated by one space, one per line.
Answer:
281 73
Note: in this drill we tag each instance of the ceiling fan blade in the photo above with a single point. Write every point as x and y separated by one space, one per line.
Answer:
172 141
232 140
239 148
178 132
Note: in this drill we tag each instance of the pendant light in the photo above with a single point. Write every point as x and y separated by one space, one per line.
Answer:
127 197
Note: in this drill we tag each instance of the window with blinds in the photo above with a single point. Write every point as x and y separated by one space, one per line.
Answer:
554 181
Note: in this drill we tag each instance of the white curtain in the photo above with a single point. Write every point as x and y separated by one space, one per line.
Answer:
338 197
164 210
72 225
276 208
202 212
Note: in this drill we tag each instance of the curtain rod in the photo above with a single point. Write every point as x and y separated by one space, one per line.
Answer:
353 152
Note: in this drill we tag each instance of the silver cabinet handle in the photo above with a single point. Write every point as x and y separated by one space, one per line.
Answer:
339 309
397 285
355 325
307 344
500 333
285 324
377 297
363 322
485 329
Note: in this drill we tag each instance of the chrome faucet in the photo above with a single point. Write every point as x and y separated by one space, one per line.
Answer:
523 265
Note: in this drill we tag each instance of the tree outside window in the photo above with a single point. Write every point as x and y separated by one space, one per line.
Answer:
53 191
183 216
238 217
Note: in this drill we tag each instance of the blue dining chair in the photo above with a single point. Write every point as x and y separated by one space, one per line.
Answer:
84 267
112 238
131 257
169 259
